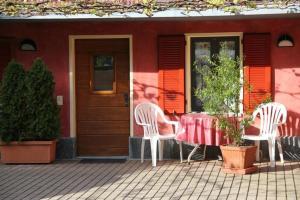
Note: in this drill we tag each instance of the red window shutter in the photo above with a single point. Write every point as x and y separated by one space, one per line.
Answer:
171 59
257 69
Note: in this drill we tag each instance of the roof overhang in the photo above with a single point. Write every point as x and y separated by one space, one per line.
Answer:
171 14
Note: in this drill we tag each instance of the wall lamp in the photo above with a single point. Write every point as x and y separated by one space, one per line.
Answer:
285 40
28 45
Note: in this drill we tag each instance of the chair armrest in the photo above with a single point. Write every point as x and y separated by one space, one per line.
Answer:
141 124
275 126
175 123
280 124
172 122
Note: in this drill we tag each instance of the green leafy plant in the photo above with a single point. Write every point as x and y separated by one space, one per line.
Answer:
220 93
28 109
43 112
13 103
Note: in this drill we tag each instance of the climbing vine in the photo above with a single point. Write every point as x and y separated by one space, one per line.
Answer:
27 8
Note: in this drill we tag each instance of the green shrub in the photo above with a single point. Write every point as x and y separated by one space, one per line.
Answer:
220 93
13 103
43 112
28 108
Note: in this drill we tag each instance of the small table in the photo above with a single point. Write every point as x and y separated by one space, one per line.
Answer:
200 129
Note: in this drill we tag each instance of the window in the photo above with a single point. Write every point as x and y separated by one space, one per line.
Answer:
202 48
103 74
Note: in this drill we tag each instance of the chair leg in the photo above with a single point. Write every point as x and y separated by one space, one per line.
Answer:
257 144
204 152
271 144
142 150
280 149
153 144
161 149
192 153
180 151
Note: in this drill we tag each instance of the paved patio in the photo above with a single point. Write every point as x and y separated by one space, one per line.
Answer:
133 180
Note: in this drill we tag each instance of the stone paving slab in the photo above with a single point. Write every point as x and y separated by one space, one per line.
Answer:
134 180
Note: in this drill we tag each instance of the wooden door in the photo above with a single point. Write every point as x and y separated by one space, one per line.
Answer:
102 96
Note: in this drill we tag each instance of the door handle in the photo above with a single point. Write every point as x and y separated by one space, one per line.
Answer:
126 99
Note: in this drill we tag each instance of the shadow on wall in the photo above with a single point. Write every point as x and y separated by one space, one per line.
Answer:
151 93
287 92
143 92
292 127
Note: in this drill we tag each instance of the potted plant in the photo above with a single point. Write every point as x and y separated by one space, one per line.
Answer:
29 119
220 96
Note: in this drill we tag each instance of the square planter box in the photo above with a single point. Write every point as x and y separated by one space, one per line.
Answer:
238 160
28 152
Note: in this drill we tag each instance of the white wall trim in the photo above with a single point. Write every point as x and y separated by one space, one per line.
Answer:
72 77
188 66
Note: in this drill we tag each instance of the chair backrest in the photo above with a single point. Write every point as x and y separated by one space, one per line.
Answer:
270 114
147 113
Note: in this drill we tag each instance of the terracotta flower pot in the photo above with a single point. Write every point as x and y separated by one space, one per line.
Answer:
239 159
28 152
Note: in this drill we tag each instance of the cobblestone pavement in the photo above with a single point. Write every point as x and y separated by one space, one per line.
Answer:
135 180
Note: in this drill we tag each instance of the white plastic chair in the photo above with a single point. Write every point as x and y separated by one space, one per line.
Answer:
271 115
146 115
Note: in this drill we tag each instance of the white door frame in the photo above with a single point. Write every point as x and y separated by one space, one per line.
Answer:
72 77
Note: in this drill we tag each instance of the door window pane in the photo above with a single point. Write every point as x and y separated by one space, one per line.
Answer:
103 73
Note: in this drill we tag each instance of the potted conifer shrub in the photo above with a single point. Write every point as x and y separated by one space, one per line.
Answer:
220 96
29 118
13 103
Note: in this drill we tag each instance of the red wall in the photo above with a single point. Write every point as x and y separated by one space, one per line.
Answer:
52 42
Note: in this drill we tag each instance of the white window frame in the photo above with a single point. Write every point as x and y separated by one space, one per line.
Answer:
188 67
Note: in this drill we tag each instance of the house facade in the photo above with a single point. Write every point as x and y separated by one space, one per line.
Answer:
104 67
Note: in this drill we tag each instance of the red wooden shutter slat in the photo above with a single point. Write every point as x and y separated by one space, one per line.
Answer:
257 69
171 59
